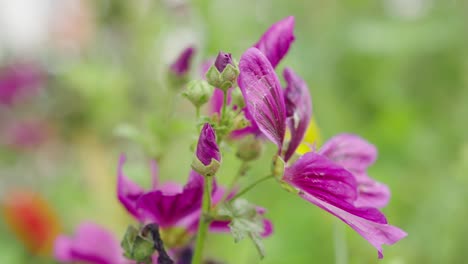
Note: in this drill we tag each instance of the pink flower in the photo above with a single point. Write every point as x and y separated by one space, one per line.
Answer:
90 244
329 179
165 204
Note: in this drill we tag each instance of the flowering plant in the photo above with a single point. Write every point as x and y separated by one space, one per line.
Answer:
248 108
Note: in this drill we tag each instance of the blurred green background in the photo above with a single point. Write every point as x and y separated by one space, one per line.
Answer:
393 71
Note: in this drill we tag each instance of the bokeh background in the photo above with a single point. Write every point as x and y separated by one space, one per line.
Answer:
393 71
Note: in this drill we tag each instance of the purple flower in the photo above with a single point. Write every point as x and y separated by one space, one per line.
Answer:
17 80
90 244
334 189
170 203
182 65
129 192
329 179
298 109
222 60
276 40
26 134
355 154
207 149
263 95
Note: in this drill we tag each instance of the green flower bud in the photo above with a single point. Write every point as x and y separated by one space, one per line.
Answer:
223 73
198 92
249 149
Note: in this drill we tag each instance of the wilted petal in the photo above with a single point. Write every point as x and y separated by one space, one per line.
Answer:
298 109
276 40
350 151
263 95
128 192
91 244
375 232
207 148
322 178
168 206
372 194
182 65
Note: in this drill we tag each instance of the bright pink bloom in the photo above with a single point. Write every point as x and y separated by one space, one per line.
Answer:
129 192
319 178
355 154
275 42
91 244
167 204
263 95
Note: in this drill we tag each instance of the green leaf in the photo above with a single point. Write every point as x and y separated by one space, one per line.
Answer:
137 247
245 222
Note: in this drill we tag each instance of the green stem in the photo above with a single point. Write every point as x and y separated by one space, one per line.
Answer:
197 113
251 186
223 109
341 252
204 221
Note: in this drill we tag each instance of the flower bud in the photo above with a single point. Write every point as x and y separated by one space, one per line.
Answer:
250 148
207 160
222 60
181 66
223 73
198 92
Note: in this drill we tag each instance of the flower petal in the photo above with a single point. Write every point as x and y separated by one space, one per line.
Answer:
169 209
350 151
263 95
298 109
322 178
128 192
275 42
372 194
91 244
376 233
207 148
182 64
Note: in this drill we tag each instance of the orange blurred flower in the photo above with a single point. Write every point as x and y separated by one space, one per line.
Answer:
31 218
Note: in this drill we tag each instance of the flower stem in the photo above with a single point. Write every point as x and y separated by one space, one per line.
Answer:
223 109
204 221
251 186
341 252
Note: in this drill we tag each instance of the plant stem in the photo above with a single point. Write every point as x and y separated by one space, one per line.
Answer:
341 252
251 186
204 221
223 109
197 113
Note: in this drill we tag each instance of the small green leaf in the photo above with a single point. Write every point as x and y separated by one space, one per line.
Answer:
246 222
